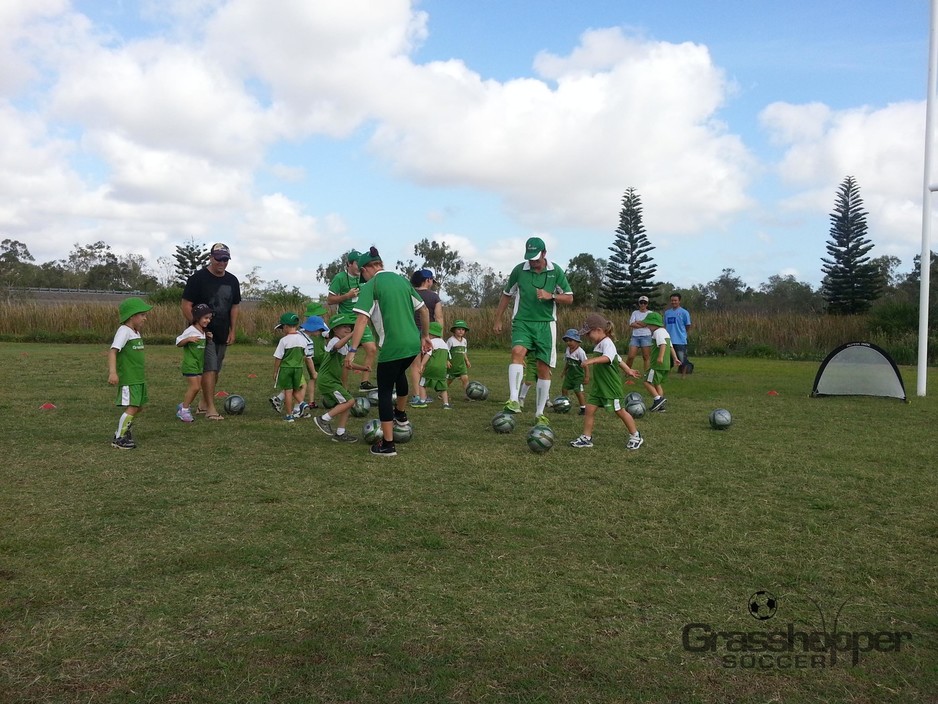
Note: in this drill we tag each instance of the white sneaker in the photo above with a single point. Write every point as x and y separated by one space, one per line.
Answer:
277 403
582 441
635 442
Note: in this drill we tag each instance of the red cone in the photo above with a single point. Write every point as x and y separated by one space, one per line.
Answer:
47 406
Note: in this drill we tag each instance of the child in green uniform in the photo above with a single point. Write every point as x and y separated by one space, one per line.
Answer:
316 314
433 367
605 388
574 375
660 361
192 341
125 364
290 360
330 379
459 364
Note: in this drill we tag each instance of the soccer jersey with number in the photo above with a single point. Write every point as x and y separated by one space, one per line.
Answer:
193 354
342 283
524 283
390 301
130 360
457 353
605 379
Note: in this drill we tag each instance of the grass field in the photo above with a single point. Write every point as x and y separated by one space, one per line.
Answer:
252 561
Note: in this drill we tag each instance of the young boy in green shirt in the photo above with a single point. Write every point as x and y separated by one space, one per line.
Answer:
125 364
290 358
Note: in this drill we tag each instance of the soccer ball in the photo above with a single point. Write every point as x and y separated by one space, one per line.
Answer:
720 419
361 407
503 422
632 397
234 405
477 391
328 401
403 433
371 431
540 438
763 605
636 409
372 396
561 404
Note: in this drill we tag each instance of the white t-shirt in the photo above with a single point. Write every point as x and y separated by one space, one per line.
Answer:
638 315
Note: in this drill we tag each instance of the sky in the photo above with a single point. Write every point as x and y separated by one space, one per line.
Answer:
295 130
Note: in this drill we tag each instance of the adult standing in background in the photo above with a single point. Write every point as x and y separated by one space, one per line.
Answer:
343 292
422 280
389 301
641 335
220 290
537 286
677 323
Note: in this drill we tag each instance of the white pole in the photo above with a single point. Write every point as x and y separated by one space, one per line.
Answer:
926 208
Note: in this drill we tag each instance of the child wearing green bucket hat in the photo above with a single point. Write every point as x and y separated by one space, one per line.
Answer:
125 365
459 364
433 368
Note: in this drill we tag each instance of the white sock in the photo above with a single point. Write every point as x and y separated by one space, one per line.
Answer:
282 395
543 393
515 375
340 431
326 417
524 391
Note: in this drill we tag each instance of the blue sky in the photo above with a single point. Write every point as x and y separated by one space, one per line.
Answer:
294 131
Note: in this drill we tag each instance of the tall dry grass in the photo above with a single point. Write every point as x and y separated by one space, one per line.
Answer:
782 335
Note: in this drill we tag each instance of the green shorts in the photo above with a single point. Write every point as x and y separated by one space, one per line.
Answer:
131 395
537 337
339 393
573 379
291 378
433 384
656 377
610 404
367 336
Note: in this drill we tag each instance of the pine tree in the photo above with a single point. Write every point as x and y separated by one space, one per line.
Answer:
189 258
852 281
630 272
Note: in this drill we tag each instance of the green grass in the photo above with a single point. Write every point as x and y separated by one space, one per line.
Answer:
250 561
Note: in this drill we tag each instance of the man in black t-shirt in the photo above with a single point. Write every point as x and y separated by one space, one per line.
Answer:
214 286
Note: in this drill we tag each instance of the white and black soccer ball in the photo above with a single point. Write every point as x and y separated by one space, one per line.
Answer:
763 605
720 419
561 404
477 391
234 404
635 408
632 397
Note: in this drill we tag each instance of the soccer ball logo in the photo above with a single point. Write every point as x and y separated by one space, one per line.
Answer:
763 605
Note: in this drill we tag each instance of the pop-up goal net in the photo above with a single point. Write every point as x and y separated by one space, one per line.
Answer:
859 369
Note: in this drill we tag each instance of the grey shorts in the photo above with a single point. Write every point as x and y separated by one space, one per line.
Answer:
214 356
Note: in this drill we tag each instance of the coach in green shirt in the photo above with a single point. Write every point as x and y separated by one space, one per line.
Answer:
536 286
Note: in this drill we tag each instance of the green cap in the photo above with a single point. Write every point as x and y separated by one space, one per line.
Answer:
343 319
352 256
129 307
288 319
460 324
653 318
315 308
533 248
366 258
436 329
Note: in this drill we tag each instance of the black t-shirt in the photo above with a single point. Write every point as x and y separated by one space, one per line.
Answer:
430 299
221 293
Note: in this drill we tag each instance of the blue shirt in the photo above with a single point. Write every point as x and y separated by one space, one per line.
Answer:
676 321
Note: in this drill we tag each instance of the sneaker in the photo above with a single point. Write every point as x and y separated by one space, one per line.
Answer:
582 441
302 410
290 418
420 403
344 437
635 442
658 404
324 425
512 407
447 407
308 409
277 404
385 449
582 411
414 401
400 418
123 443
184 414
541 420
367 386
428 400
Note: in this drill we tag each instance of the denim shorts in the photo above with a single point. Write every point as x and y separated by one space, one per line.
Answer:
640 341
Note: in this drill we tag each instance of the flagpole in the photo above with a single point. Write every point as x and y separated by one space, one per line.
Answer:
924 278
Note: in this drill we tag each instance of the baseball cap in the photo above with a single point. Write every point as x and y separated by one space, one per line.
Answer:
533 248
593 321
352 256
314 323
427 273
129 307
367 258
220 252
643 299
654 318
199 310
288 319
572 334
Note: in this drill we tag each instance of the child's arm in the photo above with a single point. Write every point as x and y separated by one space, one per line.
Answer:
276 369
677 360
112 366
661 354
187 340
311 367
627 369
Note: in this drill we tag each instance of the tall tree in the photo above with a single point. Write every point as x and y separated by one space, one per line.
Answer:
477 287
326 272
190 257
851 280
15 263
631 271
585 275
437 256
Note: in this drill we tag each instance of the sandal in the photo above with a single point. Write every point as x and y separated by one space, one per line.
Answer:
200 411
214 416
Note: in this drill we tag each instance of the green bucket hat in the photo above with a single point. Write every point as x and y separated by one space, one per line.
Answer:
315 308
460 324
343 319
653 318
129 307
436 329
